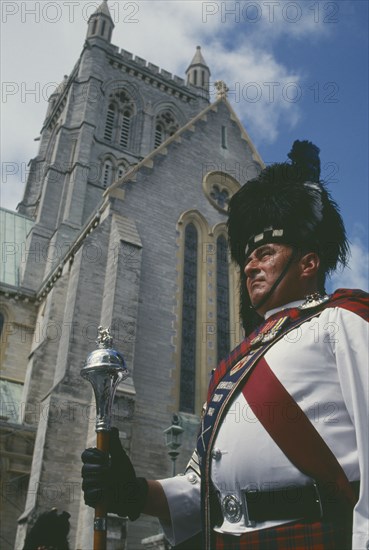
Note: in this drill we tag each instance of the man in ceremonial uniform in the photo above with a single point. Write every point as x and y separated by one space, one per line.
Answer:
282 453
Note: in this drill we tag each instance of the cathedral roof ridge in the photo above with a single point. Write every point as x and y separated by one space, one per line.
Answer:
148 160
255 154
161 149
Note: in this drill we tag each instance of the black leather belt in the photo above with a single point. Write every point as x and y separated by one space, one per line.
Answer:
308 502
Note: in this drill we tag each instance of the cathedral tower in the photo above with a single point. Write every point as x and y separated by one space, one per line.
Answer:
106 115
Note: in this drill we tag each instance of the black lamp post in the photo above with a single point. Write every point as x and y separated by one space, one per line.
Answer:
173 440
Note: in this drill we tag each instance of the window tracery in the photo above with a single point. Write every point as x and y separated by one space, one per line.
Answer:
218 188
166 125
118 120
220 196
111 170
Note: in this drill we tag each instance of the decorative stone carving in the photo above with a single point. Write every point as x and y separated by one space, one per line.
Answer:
218 188
222 88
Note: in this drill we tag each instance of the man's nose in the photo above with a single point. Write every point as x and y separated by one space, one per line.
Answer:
251 267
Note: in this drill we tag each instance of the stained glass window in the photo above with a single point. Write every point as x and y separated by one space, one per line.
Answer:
223 340
188 348
221 196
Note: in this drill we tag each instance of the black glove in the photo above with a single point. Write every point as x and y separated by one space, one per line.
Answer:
113 480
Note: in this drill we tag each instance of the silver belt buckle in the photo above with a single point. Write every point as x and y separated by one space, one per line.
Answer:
248 522
232 509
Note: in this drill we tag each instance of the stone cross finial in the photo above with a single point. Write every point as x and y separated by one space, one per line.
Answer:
221 88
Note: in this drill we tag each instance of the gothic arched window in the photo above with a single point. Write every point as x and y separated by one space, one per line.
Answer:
188 347
2 321
109 124
165 126
107 173
159 133
125 127
119 119
121 170
223 317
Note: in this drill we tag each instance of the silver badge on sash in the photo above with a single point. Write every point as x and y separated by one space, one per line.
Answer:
314 300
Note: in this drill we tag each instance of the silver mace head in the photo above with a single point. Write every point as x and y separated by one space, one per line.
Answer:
104 369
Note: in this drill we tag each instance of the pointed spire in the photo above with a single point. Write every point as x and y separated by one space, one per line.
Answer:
101 23
198 73
103 9
198 58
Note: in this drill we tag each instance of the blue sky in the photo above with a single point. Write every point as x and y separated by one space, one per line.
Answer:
295 69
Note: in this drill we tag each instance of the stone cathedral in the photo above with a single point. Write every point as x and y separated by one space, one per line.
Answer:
123 225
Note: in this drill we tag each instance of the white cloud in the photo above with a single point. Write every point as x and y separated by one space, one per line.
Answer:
356 274
261 89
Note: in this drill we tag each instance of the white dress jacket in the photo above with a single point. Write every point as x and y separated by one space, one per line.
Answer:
324 365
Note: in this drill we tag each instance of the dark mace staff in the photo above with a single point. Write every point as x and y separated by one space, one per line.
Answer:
104 369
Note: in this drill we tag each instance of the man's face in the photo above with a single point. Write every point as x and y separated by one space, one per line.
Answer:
262 268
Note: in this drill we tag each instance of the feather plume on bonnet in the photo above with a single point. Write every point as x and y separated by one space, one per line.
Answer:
287 203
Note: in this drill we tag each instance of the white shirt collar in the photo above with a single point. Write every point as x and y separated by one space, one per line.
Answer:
285 306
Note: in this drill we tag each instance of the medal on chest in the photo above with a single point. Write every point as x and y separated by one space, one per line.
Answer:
268 332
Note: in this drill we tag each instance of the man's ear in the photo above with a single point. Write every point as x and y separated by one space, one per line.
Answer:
309 264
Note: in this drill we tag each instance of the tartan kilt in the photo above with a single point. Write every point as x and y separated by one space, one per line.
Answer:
292 536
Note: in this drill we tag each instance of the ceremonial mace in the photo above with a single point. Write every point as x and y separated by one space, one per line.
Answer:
104 369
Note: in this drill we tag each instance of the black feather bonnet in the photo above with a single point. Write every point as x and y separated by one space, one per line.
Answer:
287 203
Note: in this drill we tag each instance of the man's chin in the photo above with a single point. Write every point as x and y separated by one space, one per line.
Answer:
256 297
